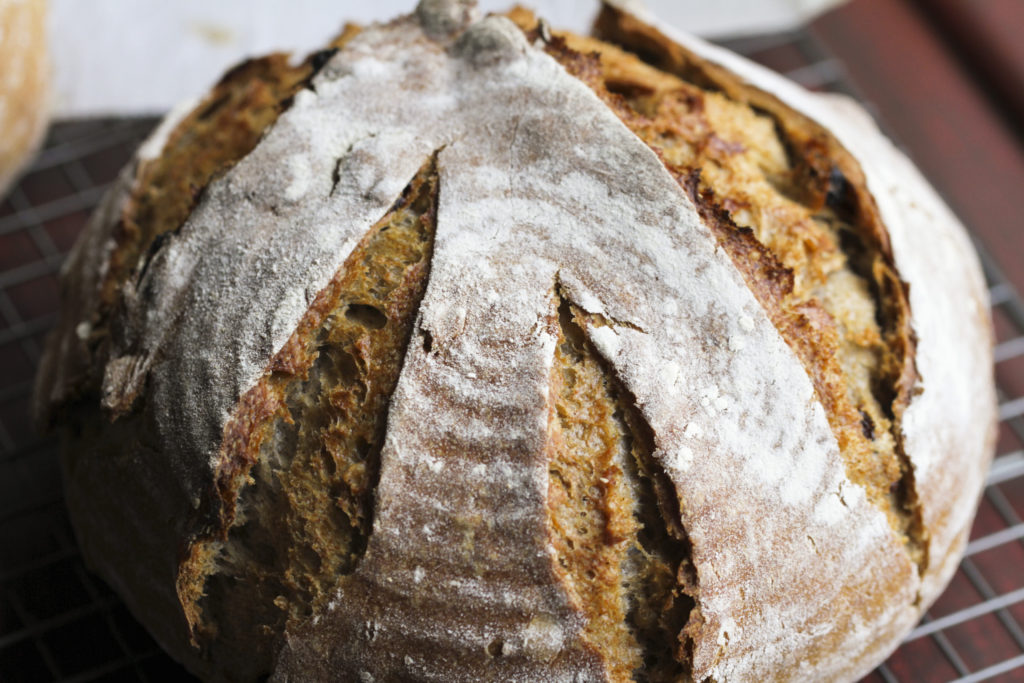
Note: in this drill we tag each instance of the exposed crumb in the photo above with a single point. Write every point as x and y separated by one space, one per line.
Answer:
618 558
304 516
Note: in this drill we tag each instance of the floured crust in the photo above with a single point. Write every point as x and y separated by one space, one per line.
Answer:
796 574
24 84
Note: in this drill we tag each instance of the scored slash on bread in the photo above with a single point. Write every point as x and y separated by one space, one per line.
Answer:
472 350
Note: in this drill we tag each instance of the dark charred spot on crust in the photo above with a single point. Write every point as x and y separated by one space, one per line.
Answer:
841 197
158 243
614 516
239 73
292 508
809 183
336 175
318 60
212 106
867 425
628 89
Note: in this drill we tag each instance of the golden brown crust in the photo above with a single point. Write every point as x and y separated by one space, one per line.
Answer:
591 497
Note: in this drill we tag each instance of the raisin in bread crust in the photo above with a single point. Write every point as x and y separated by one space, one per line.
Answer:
460 578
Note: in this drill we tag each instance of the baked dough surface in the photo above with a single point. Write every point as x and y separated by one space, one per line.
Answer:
561 241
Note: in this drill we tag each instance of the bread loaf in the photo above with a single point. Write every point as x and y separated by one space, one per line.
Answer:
24 84
470 350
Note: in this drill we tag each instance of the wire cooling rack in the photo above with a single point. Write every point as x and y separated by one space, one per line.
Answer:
60 623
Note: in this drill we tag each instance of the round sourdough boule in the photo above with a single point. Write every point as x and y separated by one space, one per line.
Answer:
470 350
24 85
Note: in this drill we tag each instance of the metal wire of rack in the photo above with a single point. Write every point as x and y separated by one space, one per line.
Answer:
59 623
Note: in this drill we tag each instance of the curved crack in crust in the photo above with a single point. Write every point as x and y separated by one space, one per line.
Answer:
614 517
296 478
788 205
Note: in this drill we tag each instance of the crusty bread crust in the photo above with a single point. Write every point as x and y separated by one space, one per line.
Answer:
565 253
